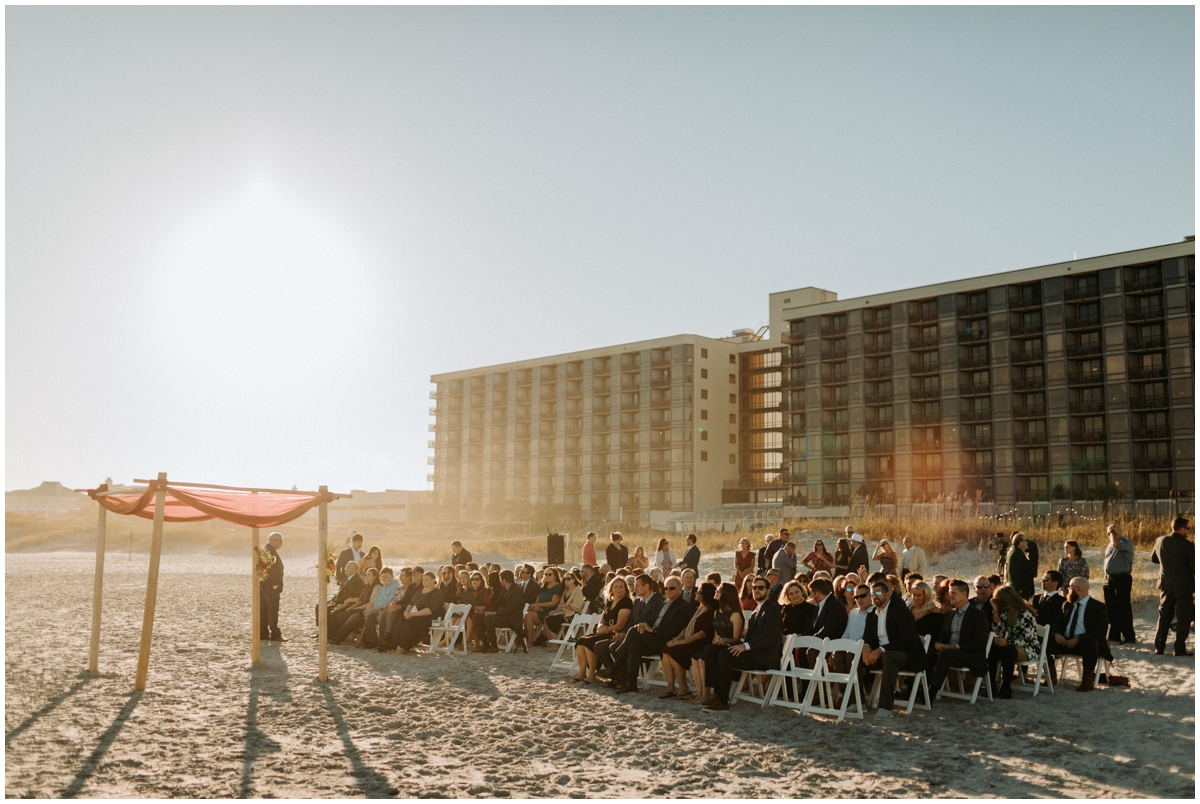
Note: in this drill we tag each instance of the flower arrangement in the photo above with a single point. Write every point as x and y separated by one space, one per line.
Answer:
330 564
264 562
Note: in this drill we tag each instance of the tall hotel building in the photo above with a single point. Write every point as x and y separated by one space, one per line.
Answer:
1070 381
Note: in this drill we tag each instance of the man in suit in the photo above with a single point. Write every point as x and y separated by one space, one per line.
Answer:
913 560
785 562
858 556
593 584
270 590
764 560
775 545
648 637
1017 567
891 643
352 553
1175 555
508 612
691 556
690 590
458 555
646 606
348 591
830 620
1081 630
1050 602
983 597
530 588
963 639
762 648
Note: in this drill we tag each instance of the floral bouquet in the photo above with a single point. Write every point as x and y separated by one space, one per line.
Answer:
330 564
264 562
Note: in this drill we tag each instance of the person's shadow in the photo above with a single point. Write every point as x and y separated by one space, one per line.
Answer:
268 677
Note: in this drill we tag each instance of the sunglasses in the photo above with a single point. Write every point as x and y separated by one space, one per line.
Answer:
986 586
761 588
860 597
878 594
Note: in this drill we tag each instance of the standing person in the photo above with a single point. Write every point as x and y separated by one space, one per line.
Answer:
458 554
1175 555
914 559
743 562
1018 569
819 559
1081 630
374 558
1073 564
664 557
764 560
352 553
616 554
761 649
589 550
270 589
890 643
775 545
1118 586
691 556
785 561
841 557
860 563
886 556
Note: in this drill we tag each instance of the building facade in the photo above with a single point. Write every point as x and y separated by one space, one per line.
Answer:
1069 381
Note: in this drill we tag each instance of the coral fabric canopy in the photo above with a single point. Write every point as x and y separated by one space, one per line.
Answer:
263 509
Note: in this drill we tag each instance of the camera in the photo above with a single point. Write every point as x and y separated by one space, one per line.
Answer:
999 542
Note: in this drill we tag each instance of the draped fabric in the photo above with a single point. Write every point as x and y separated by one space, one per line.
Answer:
261 509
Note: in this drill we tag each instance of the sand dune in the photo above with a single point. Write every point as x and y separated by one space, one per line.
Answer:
499 725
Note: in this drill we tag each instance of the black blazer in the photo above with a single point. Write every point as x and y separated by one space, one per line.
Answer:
691 558
512 601
592 588
1048 607
275 571
1019 569
1095 623
1176 557
972 637
531 591
461 558
859 558
344 558
678 615
764 634
350 589
646 611
901 631
831 622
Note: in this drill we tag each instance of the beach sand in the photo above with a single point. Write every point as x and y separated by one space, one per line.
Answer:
500 725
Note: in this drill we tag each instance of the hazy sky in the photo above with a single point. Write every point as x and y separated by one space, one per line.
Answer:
240 240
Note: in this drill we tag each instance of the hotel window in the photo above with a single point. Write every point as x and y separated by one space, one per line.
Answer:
732 458
703 414
733 438
733 399
704 374
704 456
704 393
703 435
704 353
733 418
733 358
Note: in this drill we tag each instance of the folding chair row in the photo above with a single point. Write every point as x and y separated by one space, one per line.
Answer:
449 630
580 625
919 681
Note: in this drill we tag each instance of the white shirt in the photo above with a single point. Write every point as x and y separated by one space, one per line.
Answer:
904 561
881 617
856 623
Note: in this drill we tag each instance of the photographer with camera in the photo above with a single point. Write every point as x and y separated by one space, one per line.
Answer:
1019 570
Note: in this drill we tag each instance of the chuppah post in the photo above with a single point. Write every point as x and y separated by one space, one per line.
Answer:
160 502
98 587
255 601
322 587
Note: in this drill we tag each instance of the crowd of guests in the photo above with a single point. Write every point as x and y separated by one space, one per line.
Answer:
713 629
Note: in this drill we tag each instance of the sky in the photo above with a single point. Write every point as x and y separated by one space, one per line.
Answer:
240 240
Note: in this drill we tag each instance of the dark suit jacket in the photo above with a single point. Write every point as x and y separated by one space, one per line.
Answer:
901 632
1048 607
645 611
972 637
592 588
1176 557
1095 624
344 558
617 555
461 558
349 590
830 622
512 601
275 571
859 558
691 558
764 634
1019 570
531 591
678 615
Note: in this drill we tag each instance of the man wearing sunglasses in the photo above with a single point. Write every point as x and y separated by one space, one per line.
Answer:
761 649
648 637
892 643
963 637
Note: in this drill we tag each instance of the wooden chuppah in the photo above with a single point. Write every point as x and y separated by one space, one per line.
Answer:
164 501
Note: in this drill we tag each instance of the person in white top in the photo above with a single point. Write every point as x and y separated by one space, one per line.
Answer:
914 559
857 620
664 558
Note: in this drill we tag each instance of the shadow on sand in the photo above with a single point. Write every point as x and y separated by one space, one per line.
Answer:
106 740
49 707
371 782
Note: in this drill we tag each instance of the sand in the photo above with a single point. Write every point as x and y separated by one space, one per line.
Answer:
499 725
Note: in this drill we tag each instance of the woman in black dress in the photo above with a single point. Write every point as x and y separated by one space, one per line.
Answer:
677 654
474 595
425 606
728 623
924 608
841 557
798 612
616 616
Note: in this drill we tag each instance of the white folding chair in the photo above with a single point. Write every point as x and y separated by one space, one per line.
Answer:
755 685
790 674
653 675
1062 666
960 673
828 678
919 680
449 629
507 636
580 625
1041 668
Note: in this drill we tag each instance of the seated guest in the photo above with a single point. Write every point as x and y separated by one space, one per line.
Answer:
448 584
570 603
657 574
890 643
368 618
388 621
688 575
618 608
463 576
350 589
354 608
593 585
645 609
729 622
924 611
983 596
795 610
475 595
530 588
546 602
848 590
897 587
963 638
1081 629
1015 627
761 649
472 566
422 609
677 653
856 620
822 574
941 591
638 562
829 616
714 578
648 637
748 603
507 612
775 579
1050 602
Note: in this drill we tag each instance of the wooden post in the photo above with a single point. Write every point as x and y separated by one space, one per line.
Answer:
255 602
98 587
160 502
322 588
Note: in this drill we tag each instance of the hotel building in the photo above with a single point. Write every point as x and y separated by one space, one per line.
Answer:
1069 381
